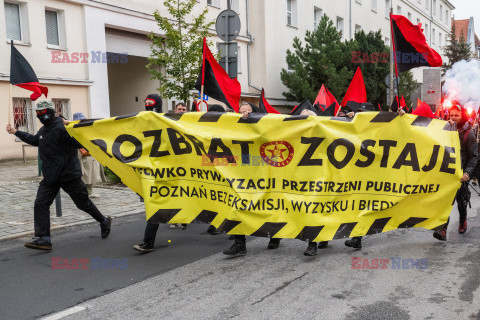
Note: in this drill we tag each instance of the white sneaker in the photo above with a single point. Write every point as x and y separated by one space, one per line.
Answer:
173 226
94 195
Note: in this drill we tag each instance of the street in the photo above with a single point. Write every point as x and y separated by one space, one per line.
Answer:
189 278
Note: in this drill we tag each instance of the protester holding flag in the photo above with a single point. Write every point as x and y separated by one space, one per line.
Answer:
60 169
469 158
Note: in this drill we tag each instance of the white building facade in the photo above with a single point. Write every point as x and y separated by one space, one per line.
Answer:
69 42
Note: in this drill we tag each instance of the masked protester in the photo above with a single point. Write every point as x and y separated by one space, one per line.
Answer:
60 169
153 102
152 228
469 157
239 247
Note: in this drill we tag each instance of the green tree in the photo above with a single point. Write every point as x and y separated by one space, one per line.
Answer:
456 50
372 55
179 51
324 59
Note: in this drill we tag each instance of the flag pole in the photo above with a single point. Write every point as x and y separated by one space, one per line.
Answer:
394 59
202 87
9 103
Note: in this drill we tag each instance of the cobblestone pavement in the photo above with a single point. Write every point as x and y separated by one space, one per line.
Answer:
18 188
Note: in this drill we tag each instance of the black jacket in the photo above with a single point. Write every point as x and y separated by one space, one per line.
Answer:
469 148
57 150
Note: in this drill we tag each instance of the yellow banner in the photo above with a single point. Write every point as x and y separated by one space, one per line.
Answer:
310 178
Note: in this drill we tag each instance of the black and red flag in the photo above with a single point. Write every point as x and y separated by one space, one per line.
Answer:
23 76
356 95
264 106
215 81
304 105
410 46
325 99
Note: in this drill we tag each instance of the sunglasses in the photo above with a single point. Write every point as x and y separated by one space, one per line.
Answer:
40 112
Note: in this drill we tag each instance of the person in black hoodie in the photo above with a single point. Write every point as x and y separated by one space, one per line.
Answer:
153 102
469 158
60 169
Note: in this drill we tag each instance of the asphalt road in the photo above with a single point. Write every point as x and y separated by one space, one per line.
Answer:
30 287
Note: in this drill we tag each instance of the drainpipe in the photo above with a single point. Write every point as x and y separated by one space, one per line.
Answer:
247 2
350 20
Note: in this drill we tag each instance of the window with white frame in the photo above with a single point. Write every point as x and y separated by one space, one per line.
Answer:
427 4
387 41
418 21
447 18
387 8
374 5
433 35
441 13
317 17
399 10
215 3
234 5
409 16
51 22
23 118
426 31
358 28
12 21
292 13
62 108
434 7
340 24
440 39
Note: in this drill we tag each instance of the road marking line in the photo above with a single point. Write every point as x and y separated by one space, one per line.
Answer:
64 313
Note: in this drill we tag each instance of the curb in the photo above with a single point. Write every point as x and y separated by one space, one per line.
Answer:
82 222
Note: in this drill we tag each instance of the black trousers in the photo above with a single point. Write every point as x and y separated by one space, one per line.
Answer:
76 189
150 233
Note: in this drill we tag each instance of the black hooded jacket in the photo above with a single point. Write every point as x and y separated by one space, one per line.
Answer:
57 150
157 107
468 148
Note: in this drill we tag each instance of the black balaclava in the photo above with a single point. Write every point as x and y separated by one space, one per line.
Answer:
157 107
47 117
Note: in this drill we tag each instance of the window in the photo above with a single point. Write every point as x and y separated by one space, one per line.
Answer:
387 8
289 69
387 41
440 40
434 7
62 107
12 21
441 13
23 118
433 36
340 25
409 16
426 31
292 13
239 60
51 21
374 5
427 4
215 3
447 18
358 28
418 21
317 16
399 10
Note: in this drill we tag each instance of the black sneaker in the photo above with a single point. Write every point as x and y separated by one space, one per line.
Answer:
322 244
441 235
238 248
105 227
311 250
355 242
145 248
40 244
273 243
212 230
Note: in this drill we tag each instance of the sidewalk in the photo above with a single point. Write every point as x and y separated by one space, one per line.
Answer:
18 188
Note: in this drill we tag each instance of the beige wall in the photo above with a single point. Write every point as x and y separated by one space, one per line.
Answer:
36 51
10 148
